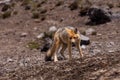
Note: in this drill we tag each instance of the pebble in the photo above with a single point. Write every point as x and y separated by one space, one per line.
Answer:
52 29
83 47
9 60
90 31
111 51
41 36
24 34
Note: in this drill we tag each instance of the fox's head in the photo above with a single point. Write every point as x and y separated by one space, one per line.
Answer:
73 35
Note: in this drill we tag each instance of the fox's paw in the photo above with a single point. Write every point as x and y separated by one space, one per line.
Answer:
82 55
47 58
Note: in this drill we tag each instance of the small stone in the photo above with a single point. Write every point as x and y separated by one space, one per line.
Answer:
27 59
35 28
83 46
37 20
23 34
27 7
95 51
41 36
9 60
90 31
112 43
99 34
21 64
52 29
111 51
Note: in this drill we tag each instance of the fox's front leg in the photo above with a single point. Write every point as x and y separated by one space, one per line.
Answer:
79 48
69 49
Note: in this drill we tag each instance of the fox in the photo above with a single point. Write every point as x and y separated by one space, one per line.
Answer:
64 37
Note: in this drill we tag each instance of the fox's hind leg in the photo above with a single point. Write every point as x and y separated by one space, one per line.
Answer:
57 47
64 46
50 52
53 51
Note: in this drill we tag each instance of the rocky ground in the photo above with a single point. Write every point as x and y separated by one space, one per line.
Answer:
20 56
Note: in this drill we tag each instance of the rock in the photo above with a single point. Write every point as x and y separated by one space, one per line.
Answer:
51 32
90 31
98 15
35 28
116 15
23 34
110 44
41 36
96 51
83 46
5 1
52 29
5 7
9 60
84 40
99 34
21 64
27 7
111 51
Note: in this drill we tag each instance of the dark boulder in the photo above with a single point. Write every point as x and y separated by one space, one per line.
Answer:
85 40
98 15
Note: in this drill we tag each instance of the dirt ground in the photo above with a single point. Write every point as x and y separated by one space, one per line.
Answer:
101 59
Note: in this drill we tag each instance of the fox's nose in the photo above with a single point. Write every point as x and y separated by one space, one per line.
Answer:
73 44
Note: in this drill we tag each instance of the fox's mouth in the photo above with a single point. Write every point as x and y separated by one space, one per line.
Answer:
73 44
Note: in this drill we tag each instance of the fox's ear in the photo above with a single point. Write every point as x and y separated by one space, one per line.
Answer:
76 30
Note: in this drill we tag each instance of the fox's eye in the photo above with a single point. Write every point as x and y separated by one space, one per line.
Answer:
70 37
74 37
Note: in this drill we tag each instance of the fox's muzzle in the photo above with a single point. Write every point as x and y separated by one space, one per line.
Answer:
73 40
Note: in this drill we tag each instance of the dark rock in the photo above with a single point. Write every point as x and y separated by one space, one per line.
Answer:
84 40
5 7
45 47
27 7
98 15
73 6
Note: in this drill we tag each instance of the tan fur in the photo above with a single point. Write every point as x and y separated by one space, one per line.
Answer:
64 37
